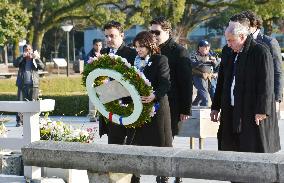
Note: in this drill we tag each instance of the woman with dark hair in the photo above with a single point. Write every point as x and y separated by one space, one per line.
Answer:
156 69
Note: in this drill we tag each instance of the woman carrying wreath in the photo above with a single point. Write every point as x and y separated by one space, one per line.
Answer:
155 67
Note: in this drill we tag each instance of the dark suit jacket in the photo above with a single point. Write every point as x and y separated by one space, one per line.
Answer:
180 94
124 51
275 51
129 54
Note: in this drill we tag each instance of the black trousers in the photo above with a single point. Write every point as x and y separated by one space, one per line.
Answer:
26 93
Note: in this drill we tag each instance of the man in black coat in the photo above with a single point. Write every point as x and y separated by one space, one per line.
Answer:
245 96
255 24
114 39
180 94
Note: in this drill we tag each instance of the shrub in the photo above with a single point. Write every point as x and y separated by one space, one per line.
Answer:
68 105
69 95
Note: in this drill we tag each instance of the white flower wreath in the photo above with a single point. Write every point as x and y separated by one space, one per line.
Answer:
130 78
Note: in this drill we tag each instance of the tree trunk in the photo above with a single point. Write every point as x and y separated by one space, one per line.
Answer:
16 50
37 40
5 54
181 33
30 34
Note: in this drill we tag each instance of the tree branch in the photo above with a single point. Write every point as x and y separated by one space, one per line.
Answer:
71 17
58 13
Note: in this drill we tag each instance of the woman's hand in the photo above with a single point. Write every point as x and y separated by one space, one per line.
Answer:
148 99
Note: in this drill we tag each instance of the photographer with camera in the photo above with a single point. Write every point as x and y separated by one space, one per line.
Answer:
204 72
28 79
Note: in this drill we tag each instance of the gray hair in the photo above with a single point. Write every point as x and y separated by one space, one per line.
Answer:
235 28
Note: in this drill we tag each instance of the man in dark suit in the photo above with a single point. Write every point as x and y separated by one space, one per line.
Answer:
275 50
180 94
244 95
114 39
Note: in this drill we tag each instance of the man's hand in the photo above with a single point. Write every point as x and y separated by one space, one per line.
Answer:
259 117
35 54
214 116
183 117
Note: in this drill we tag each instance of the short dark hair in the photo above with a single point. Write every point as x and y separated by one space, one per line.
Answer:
163 22
97 41
113 24
25 46
241 18
146 39
255 20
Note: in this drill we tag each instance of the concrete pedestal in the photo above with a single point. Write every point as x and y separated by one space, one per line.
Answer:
198 126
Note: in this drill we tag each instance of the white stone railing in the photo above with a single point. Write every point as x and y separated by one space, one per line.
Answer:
31 111
100 159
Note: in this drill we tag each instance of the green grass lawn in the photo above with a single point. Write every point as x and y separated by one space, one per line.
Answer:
59 85
69 95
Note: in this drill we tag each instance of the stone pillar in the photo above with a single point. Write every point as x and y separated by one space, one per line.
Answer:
92 112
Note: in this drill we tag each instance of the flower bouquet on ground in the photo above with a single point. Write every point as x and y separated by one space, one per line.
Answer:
59 131
102 69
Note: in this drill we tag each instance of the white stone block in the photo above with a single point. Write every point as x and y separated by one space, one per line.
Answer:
199 125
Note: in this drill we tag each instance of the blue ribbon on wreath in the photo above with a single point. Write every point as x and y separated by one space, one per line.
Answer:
156 106
120 120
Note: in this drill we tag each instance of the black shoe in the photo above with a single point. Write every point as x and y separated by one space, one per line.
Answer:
178 180
161 179
19 124
135 179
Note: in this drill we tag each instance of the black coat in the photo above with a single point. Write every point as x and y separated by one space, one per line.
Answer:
180 94
117 132
124 51
253 94
158 131
275 51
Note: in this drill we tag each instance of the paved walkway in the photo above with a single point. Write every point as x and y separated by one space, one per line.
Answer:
210 143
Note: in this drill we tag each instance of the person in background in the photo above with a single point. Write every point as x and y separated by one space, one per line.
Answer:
180 93
96 50
275 50
204 65
28 78
114 35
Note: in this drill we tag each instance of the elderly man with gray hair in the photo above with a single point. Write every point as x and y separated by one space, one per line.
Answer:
244 95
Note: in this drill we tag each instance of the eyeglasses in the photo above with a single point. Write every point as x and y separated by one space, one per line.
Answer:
156 32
